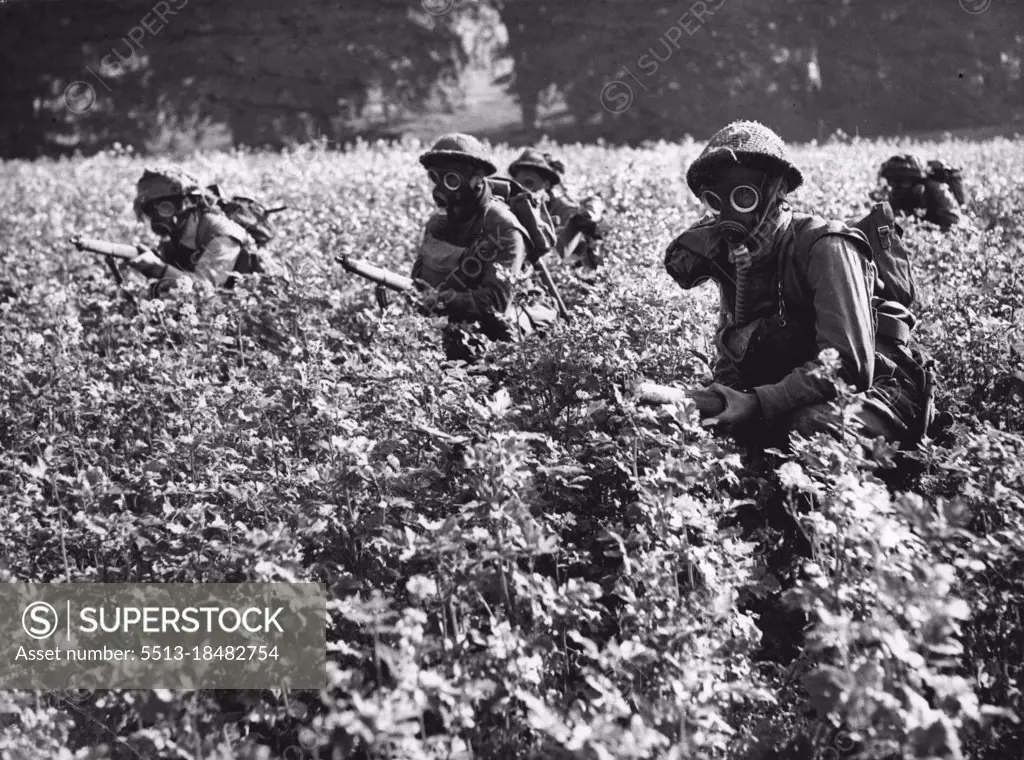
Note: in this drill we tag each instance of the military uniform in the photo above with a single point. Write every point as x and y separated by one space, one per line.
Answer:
569 215
914 192
201 243
810 287
478 262
210 248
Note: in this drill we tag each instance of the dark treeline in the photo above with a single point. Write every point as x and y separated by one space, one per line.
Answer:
87 73
806 66
81 74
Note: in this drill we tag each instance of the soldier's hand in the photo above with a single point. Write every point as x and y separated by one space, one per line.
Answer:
428 300
740 408
585 223
149 264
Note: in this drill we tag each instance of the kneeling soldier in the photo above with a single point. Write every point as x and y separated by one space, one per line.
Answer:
541 173
792 285
915 191
473 261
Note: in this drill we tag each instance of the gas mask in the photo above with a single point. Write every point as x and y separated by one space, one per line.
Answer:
532 181
456 192
908 193
741 209
162 214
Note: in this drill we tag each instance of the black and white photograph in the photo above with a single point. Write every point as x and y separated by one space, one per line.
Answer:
512 380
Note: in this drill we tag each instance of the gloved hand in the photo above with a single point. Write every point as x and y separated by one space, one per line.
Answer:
428 300
583 222
149 264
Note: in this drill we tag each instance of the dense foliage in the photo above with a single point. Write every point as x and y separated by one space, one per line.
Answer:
520 561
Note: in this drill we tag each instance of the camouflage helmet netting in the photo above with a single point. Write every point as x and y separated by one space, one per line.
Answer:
903 166
745 143
165 182
460 146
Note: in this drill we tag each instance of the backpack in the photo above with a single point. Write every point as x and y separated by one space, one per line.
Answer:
531 212
250 215
890 256
950 176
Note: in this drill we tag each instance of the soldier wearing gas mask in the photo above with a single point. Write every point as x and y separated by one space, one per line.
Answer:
791 286
472 263
542 173
199 242
934 194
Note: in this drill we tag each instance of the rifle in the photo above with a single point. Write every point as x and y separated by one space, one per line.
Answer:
110 251
545 277
376 274
709 403
388 279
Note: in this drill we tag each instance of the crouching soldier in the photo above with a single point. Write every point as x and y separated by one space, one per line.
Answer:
541 173
473 262
933 194
200 242
792 285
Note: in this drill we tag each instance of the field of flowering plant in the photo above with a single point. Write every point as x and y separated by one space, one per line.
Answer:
520 561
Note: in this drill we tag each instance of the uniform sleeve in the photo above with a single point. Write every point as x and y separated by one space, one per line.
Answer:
417 264
725 372
841 294
433 228
502 264
564 208
943 205
217 260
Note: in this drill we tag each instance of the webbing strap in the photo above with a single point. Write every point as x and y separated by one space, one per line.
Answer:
885 236
891 327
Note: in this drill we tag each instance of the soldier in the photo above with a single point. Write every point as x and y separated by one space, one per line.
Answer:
792 285
473 261
201 243
914 191
541 173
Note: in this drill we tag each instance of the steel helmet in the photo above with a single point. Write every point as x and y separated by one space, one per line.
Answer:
747 143
460 146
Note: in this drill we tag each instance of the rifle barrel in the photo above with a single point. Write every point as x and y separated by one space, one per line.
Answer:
376 274
566 247
105 247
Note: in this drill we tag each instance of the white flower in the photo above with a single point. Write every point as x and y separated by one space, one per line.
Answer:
421 586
